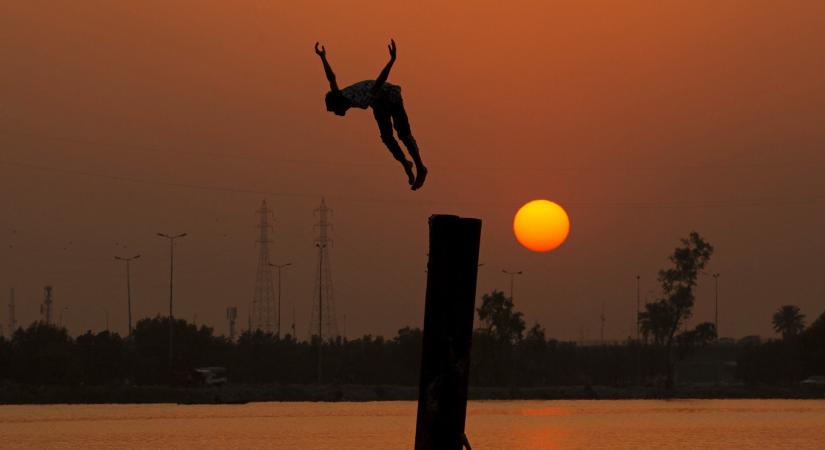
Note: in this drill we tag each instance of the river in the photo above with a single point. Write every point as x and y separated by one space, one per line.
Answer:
622 424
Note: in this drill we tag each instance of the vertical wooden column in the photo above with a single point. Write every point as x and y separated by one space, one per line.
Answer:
448 330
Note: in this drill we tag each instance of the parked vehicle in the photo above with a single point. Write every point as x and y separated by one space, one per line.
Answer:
211 376
815 380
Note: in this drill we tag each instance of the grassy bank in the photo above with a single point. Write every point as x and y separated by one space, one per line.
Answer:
243 393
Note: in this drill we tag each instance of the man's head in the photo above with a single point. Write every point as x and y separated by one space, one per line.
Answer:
337 103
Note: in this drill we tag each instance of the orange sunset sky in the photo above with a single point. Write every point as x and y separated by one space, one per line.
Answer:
645 120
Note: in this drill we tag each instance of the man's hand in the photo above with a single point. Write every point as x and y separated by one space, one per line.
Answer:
382 77
392 49
322 52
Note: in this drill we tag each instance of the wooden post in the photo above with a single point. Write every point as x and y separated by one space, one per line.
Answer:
448 330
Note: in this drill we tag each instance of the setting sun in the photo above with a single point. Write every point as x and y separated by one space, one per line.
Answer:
541 225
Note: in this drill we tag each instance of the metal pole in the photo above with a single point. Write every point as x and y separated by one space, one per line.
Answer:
129 294
171 291
638 304
279 303
638 327
279 267
62 310
512 282
716 321
320 309
128 288
716 308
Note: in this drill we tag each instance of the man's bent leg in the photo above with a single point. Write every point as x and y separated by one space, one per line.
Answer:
402 125
398 154
383 118
395 149
412 149
420 169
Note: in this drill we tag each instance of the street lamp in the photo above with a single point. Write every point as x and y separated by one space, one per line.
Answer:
638 327
128 287
279 267
638 304
60 319
321 247
716 316
716 299
512 280
171 239
716 303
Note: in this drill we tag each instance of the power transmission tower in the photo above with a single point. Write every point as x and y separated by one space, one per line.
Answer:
46 307
12 313
231 315
603 319
323 323
263 307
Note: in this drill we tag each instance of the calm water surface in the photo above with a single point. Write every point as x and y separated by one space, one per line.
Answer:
684 424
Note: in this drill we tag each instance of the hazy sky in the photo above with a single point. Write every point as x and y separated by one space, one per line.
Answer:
644 120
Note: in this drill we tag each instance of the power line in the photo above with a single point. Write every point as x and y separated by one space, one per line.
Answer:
753 202
175 151
609 166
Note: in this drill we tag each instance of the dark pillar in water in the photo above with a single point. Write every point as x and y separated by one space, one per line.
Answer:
448 330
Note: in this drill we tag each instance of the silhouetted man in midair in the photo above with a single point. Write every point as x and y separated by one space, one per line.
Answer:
387 107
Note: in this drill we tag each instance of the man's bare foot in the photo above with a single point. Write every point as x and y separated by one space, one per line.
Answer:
408 170
419 179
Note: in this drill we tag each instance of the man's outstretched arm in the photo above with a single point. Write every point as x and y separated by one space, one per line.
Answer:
322 52
382 77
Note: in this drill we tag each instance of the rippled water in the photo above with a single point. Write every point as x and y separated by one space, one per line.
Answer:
682 424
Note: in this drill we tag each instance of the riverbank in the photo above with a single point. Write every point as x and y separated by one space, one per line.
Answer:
245 393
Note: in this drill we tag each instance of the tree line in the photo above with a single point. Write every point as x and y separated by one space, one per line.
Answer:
504 351
502 355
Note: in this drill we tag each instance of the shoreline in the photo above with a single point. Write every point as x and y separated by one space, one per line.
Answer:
12 394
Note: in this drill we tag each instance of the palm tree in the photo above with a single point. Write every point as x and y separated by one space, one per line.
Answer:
788 321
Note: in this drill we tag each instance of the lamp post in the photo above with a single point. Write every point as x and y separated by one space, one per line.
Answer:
638 304
638 327
716 320
321 248
171 239
293 322
512 281
716 303
715 276
279 267
128 287
60 318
